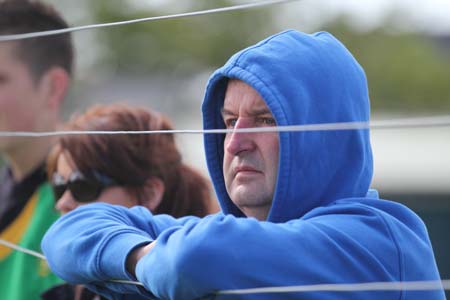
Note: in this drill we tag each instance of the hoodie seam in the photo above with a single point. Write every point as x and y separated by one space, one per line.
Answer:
397 246
244 52
393 239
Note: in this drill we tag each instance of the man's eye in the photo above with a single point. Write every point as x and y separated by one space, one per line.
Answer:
230 123
267 121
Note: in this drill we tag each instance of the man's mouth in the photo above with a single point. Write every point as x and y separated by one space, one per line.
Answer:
245 170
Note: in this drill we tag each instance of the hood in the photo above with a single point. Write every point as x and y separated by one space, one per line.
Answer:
304 79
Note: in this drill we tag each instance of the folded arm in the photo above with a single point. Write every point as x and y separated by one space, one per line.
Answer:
191 258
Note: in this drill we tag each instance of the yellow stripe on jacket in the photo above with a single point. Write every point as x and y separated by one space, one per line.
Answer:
15 231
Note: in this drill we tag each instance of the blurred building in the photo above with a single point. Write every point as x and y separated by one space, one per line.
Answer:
413 167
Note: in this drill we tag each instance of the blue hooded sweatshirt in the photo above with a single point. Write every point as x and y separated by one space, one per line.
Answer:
323 227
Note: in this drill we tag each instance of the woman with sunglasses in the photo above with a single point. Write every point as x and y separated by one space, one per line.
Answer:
124 169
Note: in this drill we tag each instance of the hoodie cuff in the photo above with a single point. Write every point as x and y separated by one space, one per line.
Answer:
112 262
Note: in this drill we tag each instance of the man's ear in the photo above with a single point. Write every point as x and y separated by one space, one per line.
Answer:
154 191
55 84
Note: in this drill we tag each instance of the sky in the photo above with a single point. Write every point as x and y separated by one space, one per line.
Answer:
430 16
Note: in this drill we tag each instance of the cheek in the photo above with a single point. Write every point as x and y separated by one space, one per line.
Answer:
226 155
227 158
16 114
8 106
118 196
271 150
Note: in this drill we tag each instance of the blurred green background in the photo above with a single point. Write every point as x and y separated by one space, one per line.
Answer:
404 47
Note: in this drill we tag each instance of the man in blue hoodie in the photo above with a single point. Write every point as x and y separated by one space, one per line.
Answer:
296 206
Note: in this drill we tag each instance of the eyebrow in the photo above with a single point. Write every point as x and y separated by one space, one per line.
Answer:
253 112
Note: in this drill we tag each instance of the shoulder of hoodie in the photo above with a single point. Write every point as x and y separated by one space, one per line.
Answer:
386 212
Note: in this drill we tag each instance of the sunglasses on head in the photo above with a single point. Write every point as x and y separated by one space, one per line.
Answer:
83 189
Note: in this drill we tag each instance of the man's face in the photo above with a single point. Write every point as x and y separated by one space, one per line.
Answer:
20 96
250 162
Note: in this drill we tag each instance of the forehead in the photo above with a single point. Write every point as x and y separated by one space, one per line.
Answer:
65 161
9 59
241 96
64 165
8 51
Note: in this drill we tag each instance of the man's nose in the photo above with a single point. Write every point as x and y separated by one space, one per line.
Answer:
236 142
66 203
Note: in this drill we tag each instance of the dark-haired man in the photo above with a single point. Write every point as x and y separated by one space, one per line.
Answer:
34 78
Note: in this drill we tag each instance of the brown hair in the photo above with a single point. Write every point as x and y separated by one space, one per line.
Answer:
41 53
130 159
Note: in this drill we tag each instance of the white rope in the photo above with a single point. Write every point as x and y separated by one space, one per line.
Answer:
347 287
41 256
21 249
436 121
126 282
332 287
13 37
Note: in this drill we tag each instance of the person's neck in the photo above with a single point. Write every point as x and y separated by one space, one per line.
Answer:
25 158
260 213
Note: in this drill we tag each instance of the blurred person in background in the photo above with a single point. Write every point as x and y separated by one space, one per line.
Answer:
126 169
34 78
123 169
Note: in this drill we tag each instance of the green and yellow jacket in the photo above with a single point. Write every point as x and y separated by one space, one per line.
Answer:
26 212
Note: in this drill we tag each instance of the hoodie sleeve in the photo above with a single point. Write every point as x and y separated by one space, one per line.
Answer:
91 243
225 252
196 258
